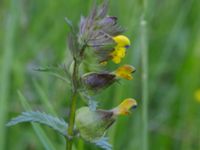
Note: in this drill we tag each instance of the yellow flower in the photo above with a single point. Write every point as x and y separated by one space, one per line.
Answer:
92 125
125 72
120 49
197 95
125 107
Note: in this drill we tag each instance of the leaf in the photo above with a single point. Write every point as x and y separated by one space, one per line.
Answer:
103 143
55 123
56 72
69 23
45 69
44 139
56 68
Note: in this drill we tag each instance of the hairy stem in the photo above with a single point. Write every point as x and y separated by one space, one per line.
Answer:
69 141
144 48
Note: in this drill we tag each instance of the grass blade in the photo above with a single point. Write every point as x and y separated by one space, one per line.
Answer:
44 98
6 66
144 59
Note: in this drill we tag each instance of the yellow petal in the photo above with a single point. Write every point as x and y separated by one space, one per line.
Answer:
125 107
125 72
121 51
118 54
122 40
116 59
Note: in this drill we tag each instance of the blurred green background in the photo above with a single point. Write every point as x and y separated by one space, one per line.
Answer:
33 33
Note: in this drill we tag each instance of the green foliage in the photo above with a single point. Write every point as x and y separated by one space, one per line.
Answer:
6 60
44 139
55 123
59 125
59 72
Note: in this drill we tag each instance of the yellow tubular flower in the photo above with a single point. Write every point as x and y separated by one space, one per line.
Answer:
120 49
125 72
125 107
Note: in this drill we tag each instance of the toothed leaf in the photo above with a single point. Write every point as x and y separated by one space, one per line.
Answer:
55 123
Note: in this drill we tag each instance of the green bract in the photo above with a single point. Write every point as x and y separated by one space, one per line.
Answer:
92 125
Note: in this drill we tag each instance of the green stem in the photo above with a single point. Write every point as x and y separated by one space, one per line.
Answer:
69 141
144 48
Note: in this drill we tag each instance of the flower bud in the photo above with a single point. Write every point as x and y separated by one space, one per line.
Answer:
98 81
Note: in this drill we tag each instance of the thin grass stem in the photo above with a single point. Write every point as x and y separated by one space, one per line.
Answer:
144 59
6 66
